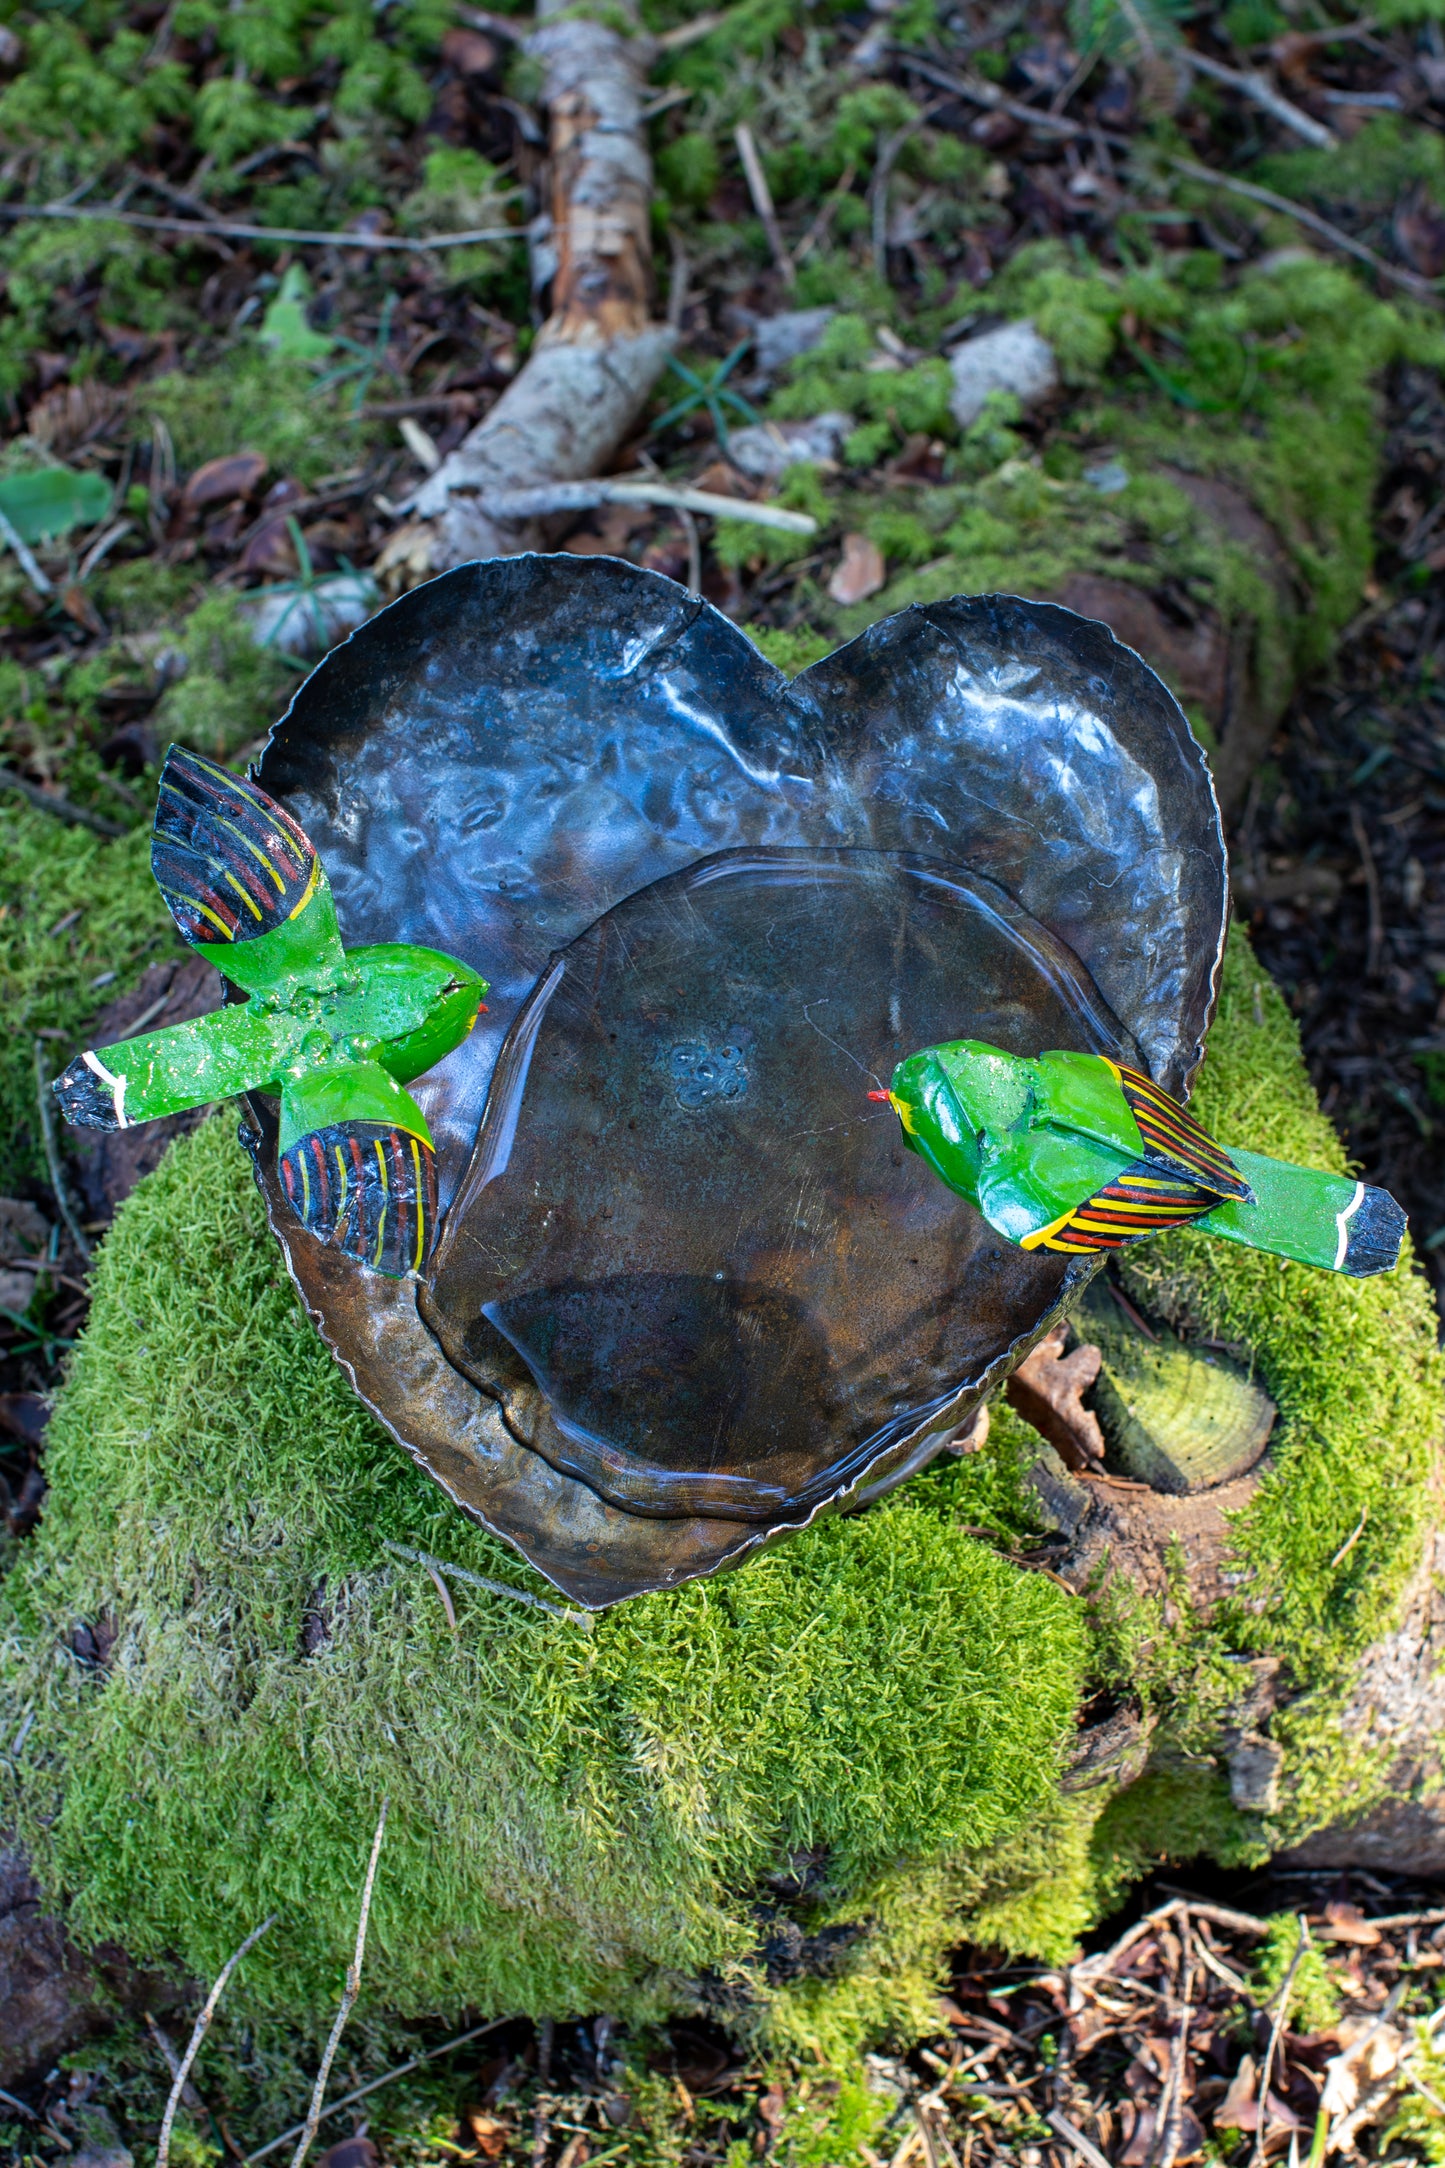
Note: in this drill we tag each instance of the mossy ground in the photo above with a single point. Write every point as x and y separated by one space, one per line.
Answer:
75 909
609 1819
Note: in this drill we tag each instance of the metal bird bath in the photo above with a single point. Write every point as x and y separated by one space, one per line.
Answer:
689 1291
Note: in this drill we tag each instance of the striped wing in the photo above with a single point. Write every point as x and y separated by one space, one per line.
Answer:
369 1189
1174 1143
233 865
1140 1201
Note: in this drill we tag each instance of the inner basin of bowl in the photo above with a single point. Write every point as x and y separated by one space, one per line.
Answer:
721 1282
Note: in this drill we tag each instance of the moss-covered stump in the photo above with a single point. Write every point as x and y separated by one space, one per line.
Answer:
1203 482
779 1794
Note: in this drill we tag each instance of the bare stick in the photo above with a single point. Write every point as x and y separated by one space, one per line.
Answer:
349 1995
1075 2140
13 540
11 2102
234 230
548 497
479 1580
198 2034
1312 223
1261 2132
45 1101
1179 2061
1262 93
61 809
446 1596
387 2077
762 197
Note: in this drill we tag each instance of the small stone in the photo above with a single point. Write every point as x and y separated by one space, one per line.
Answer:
296 621
765 449
1108 476
860 572
1013 358
777 340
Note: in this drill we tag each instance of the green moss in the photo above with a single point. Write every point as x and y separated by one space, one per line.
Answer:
50 875
585 1820
231 689
255 401
1357 1375
792 650
1269 383
1314 1999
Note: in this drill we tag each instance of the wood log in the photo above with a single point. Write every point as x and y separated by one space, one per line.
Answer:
600 352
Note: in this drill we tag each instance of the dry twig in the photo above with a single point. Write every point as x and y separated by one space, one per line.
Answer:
198 2034
45 1103
551 497
1261 92
762 197
235 230
402 2070
348 1998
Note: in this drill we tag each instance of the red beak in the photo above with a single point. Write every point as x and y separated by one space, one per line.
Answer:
885 1096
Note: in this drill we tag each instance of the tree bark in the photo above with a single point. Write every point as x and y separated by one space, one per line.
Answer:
600 353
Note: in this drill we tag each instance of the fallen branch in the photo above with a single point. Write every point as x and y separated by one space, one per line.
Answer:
348 1998
235 230
1261 92
198 2034
599 354
551 497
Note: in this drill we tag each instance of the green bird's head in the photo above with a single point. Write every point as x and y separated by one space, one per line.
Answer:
951 1100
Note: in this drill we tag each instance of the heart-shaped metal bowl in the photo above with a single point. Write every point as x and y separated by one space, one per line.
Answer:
714 905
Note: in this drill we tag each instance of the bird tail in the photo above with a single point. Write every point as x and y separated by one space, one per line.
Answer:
1328 1220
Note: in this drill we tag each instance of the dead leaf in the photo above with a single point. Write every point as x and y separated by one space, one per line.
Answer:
1047 1390
1137 2127
861 570
489 2132
1239 2110
221 480
78 606
1346 1923
469 52
1372 2052
406 559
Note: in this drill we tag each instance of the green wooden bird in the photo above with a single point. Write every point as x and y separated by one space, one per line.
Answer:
335 1033
1076 1153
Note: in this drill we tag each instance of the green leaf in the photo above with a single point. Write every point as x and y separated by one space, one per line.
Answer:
284 327
47 501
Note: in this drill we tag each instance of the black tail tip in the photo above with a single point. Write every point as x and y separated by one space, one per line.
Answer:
1373 1234
86 1099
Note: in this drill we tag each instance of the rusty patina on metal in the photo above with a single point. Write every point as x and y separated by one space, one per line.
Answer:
689 1292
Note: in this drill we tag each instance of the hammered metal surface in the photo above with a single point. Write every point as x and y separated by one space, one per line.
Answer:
730 1286
508 753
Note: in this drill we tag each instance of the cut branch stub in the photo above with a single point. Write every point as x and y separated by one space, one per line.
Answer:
600 353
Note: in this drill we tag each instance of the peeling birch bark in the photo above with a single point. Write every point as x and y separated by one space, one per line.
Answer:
600 353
